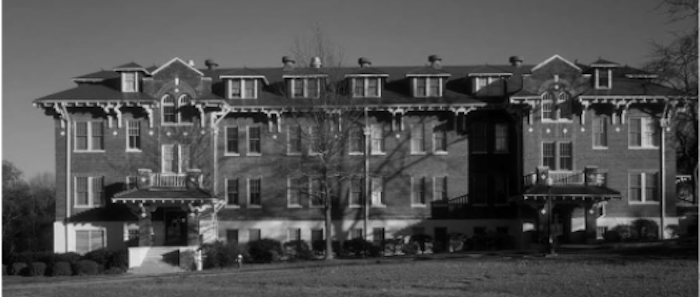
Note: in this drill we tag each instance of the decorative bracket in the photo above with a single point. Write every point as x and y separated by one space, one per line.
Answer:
61 110
397 124
149 110
585 105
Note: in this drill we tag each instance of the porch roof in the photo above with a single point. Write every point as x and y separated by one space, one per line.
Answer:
569 192
163 195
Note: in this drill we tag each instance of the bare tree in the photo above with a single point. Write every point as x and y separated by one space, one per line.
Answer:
676 64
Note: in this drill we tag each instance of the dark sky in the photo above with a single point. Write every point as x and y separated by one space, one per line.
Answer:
46 43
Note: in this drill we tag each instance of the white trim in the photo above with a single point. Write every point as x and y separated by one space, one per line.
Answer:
248 152
642 175
415 151
366 75
304 88
173 61
135 84
556 56
133 150
242 83
429 75
644 121
90 192
248 204
255 77
90 145
597 80
434 138
238 140
428 79
365 91
413 195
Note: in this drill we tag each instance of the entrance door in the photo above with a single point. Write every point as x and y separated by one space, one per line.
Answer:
175 228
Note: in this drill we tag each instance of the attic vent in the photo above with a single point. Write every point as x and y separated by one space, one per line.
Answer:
515 61
364 62
288 63
435 61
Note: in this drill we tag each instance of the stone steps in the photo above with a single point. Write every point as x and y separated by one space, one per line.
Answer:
159 260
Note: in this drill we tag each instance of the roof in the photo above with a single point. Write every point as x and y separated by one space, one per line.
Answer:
623 86
95 92
571 190
129 66
367 71
488 69
428 70
102 74
604 63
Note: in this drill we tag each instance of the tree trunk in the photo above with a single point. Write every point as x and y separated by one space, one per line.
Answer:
329 240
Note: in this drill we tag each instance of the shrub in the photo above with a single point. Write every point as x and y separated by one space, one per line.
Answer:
457 242
297 250
421 239
118 260
37 269
410 248
318 245
19 268
643 229
624 231
220 254
612 236
68 257
61 268
265 250
101 257
87 267
393 246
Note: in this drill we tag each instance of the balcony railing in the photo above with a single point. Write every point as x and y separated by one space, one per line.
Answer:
168 180
561 178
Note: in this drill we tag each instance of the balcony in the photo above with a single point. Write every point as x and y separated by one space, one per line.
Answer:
563 178
190 180
168 180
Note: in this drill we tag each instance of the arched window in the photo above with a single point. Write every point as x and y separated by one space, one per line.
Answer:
564 105
168 109
184 114
548 106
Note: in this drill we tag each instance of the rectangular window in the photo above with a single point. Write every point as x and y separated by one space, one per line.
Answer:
643 133
293 234
377 143
356 191
294 139
440 138
89 191
419 186
427 87
295 191
420 87
232 140
232 236
478 187
643 187
89 136
600 132
548 155
236 90
249 89
433 87
603 78
232 193
440 187
317 193
635 193
298 87
378 236
501 145
357 141
89 240
254 140
254 191
315 140
133 135
650 187
481 82
254 234
565 156
129 82
131 182
377 191
418 138
356 233
478 138
373 87
500 189
312 88
171 158
359 87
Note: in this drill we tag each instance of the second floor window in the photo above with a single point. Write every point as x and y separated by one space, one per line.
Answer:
232 140
501 143
643 133
377 144
366 87
305 87
232 193
356 191
254 192
176 111
89 136
603 78
419 186
564 106
294 139
643 187
600 132
133 136
254 140
440 188
440 138
557 155
418 138
243 88
89 191
377 191
357 141
478 138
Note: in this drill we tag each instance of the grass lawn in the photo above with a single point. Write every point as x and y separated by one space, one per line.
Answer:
457 275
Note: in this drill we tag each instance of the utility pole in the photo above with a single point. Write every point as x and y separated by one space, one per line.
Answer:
367 180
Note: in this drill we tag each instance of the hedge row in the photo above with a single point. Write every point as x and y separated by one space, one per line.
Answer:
51 264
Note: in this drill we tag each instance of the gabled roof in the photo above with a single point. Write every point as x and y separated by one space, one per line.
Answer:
604 63
367 71
131 66
95 92
243 73
102 74
308 71
176 59
524 93
427 71
630 72
552 58
623 86
487 70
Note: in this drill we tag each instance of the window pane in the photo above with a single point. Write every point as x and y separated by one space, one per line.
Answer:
377 138
373 87
548 106
501 138
236 88
317 192
81 135
97 191
129 81
378 236
440 137
564 105
249 85
440 188
357 140
295 190
377 191
232 236
294 234
232 191
134 137
254 234
96 240
359 87
82 242
312 87
255 185
565 156
635 187
294 136
97 136
356 191
298 85
420 87
600 132
419 187
603 78
418 138
635 132
548 158
169 109
254 139
232 140
434 87
650 184
81 190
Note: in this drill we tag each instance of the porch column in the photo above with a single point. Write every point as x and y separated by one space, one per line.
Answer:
591 223
193 218
145 227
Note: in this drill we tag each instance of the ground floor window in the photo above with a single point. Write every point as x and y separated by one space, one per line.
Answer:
232 236
253 235
89 240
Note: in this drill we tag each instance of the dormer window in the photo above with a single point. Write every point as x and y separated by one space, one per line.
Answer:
130 82
364 87
305 87
243 89
427 87
556 107
481 82
603 78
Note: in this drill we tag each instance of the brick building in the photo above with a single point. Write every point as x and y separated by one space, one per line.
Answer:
169 155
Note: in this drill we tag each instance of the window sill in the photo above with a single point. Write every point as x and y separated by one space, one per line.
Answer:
293 206
176 124
355 154
643 147
643 202
243 98
230 206
293 154
89 151
355 206
254 206
440 153
133 150
600 148
419 153
418 205
86 206
378 153
254 154
378 206
231 155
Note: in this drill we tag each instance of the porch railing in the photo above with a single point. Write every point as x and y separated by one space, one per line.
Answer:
168 180
560 178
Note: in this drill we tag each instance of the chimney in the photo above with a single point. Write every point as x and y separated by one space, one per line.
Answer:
211 65
191 63
315 62
515 61
288 63
364 62
435 61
